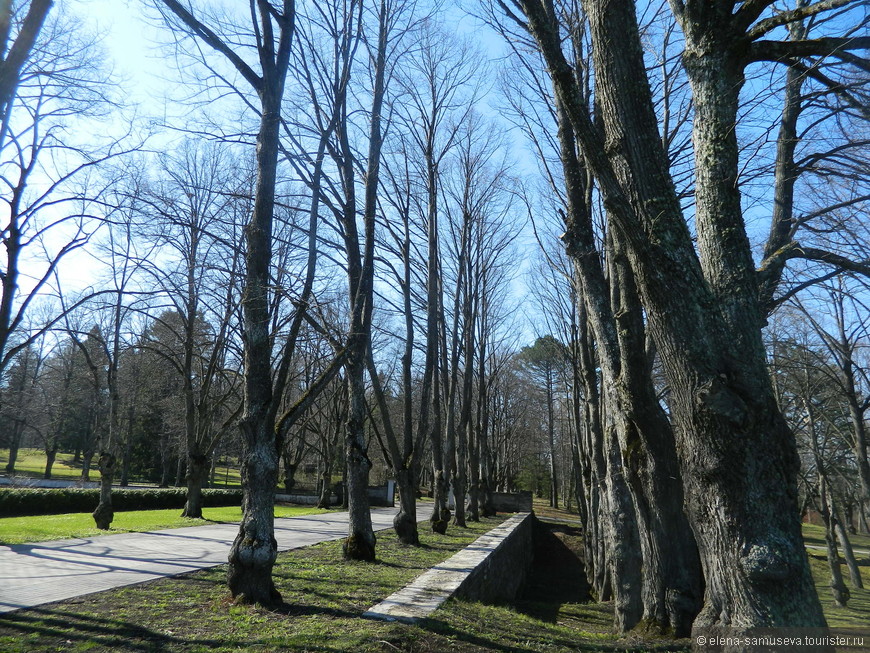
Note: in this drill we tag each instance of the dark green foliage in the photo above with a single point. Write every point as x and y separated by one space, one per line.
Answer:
44 501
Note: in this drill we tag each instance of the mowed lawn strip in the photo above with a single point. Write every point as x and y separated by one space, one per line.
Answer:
324 598
31 463
856 614
40 528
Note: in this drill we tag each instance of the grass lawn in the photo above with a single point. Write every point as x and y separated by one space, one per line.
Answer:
31 462
857 610
324 597
17 530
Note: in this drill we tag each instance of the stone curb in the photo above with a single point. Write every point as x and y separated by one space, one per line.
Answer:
428 591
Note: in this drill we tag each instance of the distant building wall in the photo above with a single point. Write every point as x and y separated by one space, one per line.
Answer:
512 501
383 495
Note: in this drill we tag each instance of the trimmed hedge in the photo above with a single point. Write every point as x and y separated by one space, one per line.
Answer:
51 501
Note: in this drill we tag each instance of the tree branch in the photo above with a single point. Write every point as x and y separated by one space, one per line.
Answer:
785 17
786 51
215 42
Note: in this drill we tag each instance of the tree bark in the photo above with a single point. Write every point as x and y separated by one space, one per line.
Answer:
50 455
621 532
405 521
254 549
848 554
838 587
104 514
197 471
707 330
14 446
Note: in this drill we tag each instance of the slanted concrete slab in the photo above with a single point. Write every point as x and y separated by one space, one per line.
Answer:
452 577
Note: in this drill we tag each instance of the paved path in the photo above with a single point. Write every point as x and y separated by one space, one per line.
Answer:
818 547
33 574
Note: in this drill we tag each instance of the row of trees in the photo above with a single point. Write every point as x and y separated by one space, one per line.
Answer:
377 222
651 124
221 300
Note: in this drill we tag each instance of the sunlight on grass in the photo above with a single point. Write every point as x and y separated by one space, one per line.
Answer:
324 597
31 462
17 530
857 610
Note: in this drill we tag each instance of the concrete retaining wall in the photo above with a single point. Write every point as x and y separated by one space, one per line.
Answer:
493 568
383 495
501 574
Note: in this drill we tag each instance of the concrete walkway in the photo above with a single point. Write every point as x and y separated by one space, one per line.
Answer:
33 574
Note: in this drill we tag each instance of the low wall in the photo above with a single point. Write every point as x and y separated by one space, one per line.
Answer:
503 572
493 568
512 501
304 499
25 481
383 495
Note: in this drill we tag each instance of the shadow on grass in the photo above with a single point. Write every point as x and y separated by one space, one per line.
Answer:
77 628
557 575
531 641
44 628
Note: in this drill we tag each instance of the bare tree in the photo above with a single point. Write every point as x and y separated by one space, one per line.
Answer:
52 202
191 214
271 30
703 310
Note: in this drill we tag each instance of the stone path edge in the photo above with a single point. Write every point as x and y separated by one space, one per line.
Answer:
430 590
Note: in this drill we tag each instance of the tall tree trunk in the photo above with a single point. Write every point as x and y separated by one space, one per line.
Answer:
838 587
440 517
104 513
125 459
672 586
859 440
487 466
360 542
551 441
14 446
473 507
197 472
253 552
180 466
621 531
405 522
50 455
704 319
87 458
848 554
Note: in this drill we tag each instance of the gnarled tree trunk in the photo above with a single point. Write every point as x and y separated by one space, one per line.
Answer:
104 513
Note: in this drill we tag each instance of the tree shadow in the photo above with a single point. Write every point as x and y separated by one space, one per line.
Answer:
557 575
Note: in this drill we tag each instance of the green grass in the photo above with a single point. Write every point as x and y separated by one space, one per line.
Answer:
857 610
815 535
17 530
225 476
31 462
324 598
